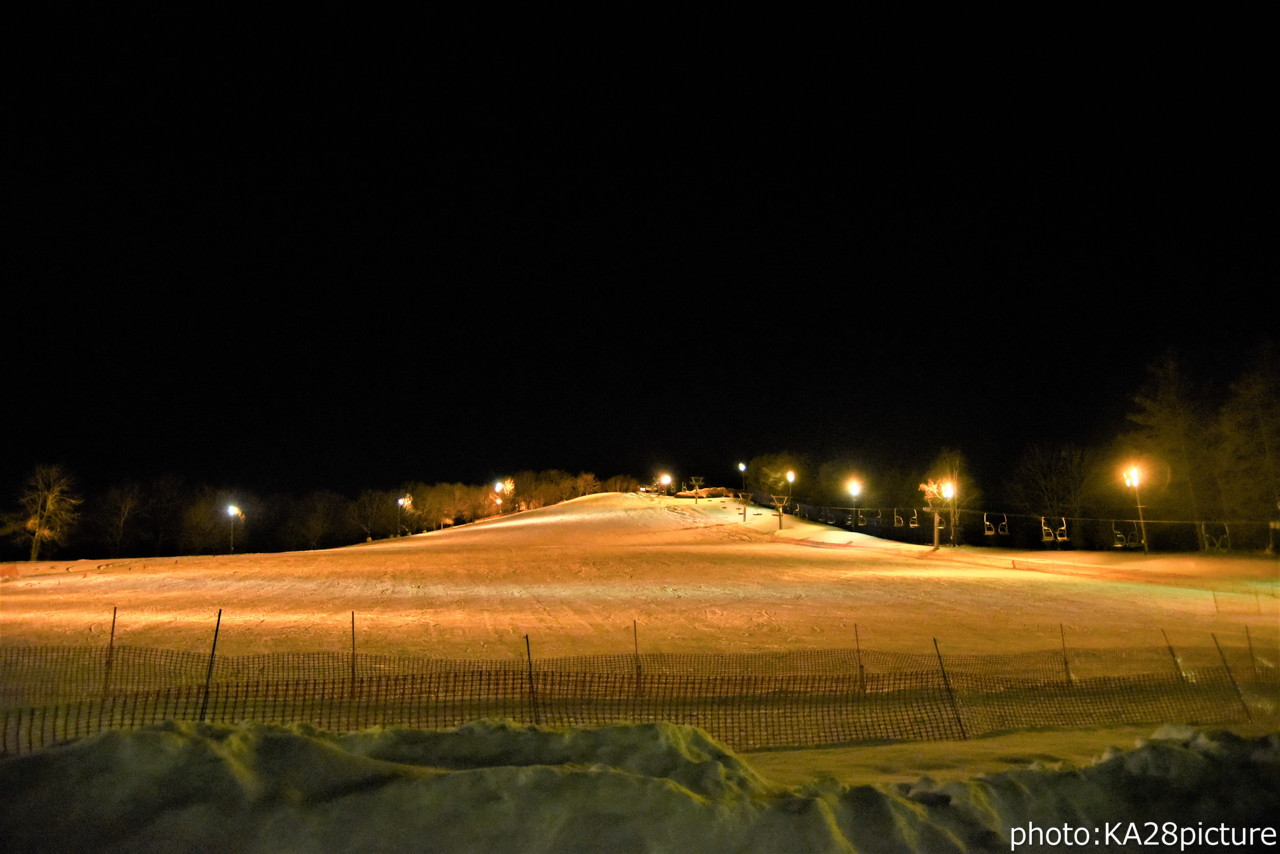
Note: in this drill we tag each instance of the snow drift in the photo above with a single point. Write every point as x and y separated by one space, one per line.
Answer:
495 786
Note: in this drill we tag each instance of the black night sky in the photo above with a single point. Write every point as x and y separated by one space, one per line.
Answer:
296 275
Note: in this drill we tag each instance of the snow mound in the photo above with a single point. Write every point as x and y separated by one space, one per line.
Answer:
497 786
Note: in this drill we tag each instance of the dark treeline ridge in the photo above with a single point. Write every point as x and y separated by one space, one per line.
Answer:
168 516
1204 450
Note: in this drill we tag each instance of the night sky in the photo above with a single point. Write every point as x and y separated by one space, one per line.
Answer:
297 275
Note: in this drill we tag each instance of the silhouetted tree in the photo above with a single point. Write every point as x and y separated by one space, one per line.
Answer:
119 516
1172 417
316 520
373 512
49 510
1052 480
1247 441
767 473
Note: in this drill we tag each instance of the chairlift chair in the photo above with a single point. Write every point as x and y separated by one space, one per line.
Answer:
897 519
1061 533
1046 533
988 528
915 519
1125 540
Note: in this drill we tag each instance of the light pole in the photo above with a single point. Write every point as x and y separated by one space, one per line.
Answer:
742 496
946 490
791 478
402 502
855 489
1131 478
665 480
235 513
949 493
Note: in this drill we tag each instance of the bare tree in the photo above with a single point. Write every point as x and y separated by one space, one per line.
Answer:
372 511
1052 480
1173 425
1247 441
119 514
49 509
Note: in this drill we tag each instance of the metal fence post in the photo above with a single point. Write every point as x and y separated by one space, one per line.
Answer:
204 703
946 683
1239 695
533 694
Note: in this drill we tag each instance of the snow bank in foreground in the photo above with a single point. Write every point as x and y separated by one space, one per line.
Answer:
494 786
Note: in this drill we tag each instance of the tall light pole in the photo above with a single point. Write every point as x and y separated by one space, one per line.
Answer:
1131 478
403 502
855 490
949 493
235 513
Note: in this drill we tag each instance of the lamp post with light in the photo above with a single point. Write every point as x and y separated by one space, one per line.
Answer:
1132 476
403 503
855 490
235 513
949 493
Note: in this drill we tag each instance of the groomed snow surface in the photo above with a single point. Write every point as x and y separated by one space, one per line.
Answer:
694 577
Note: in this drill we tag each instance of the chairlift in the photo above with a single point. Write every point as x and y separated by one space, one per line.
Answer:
1046 533
1061 534
1003 528
877 519
897 519
862 520
1125 540
915 519
1222 543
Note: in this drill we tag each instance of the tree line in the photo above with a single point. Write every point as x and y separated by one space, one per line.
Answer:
168 516
1206 452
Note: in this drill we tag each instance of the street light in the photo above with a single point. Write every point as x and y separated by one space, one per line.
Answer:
235 513
665 480
855 489
949 493
1131 478
405 501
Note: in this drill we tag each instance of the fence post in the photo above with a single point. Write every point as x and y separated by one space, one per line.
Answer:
1066 664
533 694
635 639
204 702
1240 696
1252 661
946 683
1177 664
353 655
862 671
111 651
